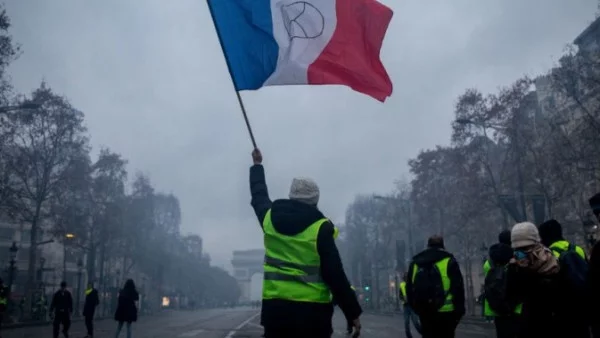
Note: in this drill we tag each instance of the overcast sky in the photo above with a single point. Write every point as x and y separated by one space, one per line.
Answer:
151 79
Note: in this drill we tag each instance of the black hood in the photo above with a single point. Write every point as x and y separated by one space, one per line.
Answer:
500 254
292 217
431 255
550 232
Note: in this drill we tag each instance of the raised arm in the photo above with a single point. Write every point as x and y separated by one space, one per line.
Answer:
258 187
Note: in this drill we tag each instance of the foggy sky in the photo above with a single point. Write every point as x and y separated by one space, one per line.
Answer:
151 79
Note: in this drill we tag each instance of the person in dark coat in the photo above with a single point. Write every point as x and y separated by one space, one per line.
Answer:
62 308
594 274
438 324
533 280
126 307
507 325
3 300
89 308
286 318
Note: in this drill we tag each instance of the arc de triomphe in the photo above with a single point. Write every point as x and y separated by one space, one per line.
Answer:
246 263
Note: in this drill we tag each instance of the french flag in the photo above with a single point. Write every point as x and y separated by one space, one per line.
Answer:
308 42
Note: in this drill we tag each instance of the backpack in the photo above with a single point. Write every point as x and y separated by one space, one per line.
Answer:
428 294
574 270
495 291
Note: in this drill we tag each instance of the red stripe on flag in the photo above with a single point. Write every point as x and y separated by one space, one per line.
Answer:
352 56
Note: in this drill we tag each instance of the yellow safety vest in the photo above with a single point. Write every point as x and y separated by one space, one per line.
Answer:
487 309
403 291
88 291
292 267
562 246
442 267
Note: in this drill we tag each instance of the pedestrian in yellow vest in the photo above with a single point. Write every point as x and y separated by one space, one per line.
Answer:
303 271
498 305
409 314
435 290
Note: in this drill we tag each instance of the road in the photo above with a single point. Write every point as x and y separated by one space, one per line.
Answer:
230 323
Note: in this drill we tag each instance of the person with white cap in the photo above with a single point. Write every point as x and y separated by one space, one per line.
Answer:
303 271
533 280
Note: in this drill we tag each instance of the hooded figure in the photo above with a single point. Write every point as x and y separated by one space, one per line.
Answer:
289 227
441 322
594 274
533 280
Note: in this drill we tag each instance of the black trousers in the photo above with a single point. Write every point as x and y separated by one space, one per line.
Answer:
64 319
89 324
294 333
439 325
506 326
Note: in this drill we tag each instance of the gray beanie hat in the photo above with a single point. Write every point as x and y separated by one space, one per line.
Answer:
524 234
304 190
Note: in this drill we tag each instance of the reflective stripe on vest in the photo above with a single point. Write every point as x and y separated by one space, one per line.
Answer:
292 267
403 291
562 246
442 267
3 301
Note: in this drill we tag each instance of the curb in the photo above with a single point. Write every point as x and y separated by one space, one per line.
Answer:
19 325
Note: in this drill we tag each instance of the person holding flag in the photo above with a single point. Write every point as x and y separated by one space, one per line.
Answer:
303 271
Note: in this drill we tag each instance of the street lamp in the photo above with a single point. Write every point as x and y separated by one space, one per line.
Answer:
79 273
13 260
41 274
68 236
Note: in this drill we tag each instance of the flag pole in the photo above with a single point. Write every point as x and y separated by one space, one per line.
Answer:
237 92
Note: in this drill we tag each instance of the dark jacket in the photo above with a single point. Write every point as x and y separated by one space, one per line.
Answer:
457 289
91 301
126 309
4 296
290 218
537 293
594 289
62 302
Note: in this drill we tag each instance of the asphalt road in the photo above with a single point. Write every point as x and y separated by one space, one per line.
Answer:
379 326
231 323
217 323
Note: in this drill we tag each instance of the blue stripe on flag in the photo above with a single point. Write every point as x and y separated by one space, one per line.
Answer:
245 28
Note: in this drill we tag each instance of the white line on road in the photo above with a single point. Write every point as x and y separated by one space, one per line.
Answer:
232 332
191 333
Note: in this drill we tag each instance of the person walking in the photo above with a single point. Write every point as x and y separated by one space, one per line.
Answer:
61 308
497 304
303 271
409 314
488 313
435 290
126 312
89 308
593 283
573 317
533 280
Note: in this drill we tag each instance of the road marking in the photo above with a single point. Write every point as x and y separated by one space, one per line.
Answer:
234 331
191 333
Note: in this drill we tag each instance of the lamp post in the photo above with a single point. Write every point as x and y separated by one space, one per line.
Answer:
41 274
79 273
13 261
68 237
